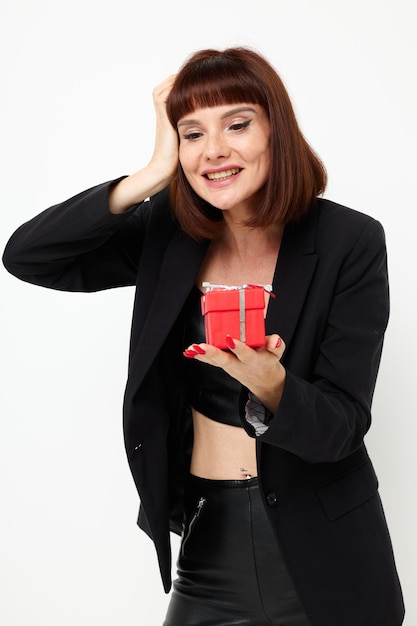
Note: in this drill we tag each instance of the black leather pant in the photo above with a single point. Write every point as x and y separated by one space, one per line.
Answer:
230 568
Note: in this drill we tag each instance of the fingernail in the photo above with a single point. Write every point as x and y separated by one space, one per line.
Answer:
198 349
230 343
190 354
279 342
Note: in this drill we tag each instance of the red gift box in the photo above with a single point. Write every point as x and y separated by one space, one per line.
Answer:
234 311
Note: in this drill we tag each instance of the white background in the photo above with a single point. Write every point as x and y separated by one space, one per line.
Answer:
76 109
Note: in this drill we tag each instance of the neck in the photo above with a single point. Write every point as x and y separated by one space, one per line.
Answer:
242 255
243 241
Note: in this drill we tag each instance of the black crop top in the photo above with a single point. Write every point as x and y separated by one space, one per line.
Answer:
212 391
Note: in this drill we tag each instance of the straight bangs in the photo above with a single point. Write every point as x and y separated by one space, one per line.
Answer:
214 81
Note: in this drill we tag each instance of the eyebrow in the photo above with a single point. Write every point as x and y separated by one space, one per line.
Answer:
223 117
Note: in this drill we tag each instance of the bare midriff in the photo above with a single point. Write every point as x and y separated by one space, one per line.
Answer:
221 451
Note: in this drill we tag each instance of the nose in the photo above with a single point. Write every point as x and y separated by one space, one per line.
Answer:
216 147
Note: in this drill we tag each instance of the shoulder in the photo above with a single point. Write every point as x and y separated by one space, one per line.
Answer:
345 227
157 207
330 214
156 212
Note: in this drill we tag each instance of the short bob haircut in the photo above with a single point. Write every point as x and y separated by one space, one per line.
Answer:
297 176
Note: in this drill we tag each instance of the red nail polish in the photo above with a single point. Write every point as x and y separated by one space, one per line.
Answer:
190 354
230 343
198 349
279 342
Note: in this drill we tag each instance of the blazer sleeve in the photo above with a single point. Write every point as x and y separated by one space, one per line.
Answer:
324 417
79 245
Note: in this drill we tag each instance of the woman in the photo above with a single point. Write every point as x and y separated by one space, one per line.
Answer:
281 518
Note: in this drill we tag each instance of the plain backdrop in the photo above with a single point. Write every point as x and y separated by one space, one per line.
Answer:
76 110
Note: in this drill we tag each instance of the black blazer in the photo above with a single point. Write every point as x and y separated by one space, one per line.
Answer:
331 308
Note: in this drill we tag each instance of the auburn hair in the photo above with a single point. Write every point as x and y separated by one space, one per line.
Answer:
212 78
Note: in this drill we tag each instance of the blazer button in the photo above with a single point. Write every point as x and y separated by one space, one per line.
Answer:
271 498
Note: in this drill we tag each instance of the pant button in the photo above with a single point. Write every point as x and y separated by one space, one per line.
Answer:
271 498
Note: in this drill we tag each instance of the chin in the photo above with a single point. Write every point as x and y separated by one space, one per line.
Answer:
224 204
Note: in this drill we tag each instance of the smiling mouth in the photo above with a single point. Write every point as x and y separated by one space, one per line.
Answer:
223 174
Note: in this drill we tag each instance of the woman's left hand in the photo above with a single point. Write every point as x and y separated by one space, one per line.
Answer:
258 369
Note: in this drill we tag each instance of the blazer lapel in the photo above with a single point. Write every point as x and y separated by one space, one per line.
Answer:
295 269
179 268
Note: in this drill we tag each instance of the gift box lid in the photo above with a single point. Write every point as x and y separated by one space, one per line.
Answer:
231 299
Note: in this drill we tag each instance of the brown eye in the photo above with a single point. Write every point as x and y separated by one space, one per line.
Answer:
240 125
192 135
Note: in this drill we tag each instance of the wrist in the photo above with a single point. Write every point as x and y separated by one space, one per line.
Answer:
271 396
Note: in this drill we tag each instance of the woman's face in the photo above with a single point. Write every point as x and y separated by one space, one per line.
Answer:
225 154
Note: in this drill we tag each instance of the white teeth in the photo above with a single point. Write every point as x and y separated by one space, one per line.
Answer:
224 174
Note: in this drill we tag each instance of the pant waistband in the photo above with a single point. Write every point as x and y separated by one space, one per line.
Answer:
244 483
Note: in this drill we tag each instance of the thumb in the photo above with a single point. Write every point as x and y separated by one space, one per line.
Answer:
276 345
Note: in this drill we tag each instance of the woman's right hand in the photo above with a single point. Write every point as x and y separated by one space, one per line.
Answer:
165 155
163 164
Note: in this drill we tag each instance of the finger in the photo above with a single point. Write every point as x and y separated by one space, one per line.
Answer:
239 349
161 91
194 350
211 355
204 352
276 345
